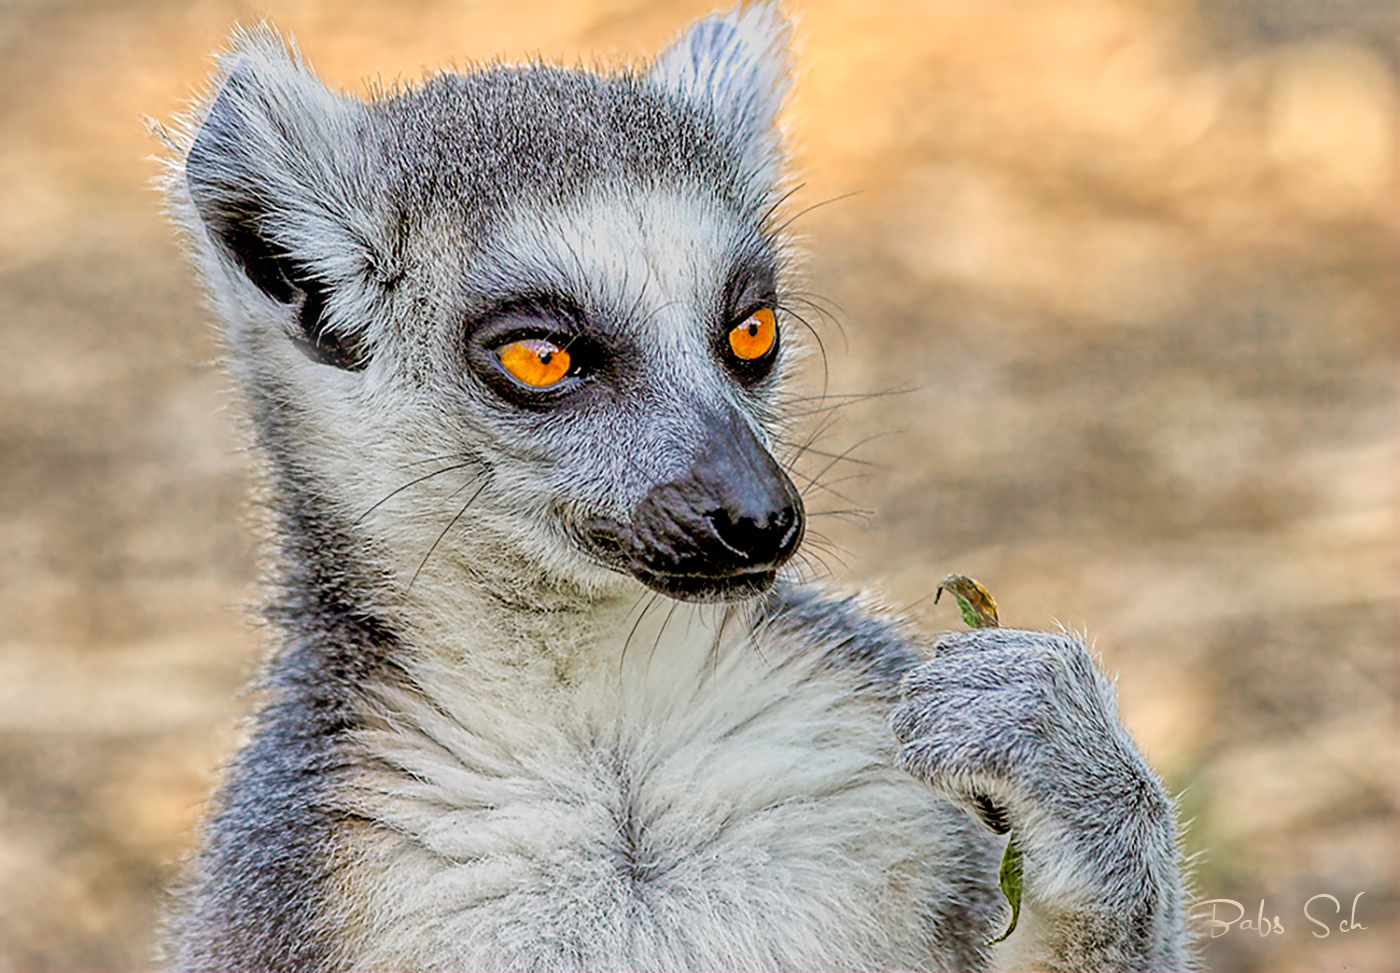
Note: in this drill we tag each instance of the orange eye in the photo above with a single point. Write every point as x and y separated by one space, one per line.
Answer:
535 361
754 338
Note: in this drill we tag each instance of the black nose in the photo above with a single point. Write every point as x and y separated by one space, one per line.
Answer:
731 521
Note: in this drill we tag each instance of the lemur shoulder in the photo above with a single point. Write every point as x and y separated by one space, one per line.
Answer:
543 694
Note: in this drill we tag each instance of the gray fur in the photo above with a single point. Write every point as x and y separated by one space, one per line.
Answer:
481 742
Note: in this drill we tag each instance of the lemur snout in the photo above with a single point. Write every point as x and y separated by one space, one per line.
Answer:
718 532
736 509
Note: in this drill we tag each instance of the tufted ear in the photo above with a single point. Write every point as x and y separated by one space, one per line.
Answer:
738 66
276 173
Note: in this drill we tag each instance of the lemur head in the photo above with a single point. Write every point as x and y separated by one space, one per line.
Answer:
525 319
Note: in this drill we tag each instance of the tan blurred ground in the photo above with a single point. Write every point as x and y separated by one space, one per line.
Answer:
1134 265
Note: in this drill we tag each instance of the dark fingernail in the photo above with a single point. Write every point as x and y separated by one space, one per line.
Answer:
992 815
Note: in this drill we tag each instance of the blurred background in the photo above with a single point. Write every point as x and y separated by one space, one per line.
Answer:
1129 270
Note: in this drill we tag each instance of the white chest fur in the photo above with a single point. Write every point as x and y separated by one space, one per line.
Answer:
711 801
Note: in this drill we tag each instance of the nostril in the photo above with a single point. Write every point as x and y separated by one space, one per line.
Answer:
758 540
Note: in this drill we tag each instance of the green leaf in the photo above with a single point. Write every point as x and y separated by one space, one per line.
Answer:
978 607
1009 879
979 610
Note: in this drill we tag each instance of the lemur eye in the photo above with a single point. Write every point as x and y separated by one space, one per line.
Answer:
754 338
535 361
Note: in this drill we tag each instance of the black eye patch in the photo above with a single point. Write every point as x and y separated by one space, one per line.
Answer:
536 317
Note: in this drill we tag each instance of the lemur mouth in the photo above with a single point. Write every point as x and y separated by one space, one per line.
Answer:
690 578
701 588
712 590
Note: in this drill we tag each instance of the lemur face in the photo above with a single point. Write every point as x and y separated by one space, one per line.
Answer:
524 316
633 338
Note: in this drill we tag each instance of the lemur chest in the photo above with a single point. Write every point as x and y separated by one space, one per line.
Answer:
731 825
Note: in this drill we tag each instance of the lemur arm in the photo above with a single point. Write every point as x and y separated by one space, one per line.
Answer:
1027 721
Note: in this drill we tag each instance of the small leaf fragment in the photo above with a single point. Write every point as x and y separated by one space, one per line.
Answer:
979 610
978 607
1009 881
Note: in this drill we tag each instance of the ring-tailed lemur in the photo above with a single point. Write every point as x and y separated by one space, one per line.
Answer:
513 343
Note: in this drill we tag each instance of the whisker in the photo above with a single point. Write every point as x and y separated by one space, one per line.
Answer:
829 485
622 658
432 459
659 633
414 482
836 459
828 547
825 425
852 513
822 304
836 456
898 390
807 209
821 345
800 567
826 487
450 523
799 450
712 661
813 574
818 410
842 401
773 207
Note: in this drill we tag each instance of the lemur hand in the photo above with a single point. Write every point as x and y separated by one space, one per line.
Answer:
1021 728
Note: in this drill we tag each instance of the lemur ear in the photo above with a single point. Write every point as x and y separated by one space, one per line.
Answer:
276 173
738 65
